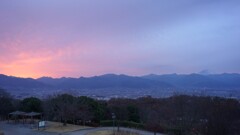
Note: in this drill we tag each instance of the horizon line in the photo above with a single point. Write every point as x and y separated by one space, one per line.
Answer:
118 74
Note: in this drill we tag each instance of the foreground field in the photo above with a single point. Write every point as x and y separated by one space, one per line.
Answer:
26 129
103 132
57 127
110 132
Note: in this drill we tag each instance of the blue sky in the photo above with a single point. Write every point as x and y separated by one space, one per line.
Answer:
136 37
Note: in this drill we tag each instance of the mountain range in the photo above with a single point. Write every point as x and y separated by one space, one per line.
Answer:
167 81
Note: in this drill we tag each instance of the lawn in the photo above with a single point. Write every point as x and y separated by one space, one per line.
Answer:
110 132
58 127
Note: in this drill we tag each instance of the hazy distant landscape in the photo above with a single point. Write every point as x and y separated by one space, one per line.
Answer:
111 85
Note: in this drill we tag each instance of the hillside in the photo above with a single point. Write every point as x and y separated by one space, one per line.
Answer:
213 81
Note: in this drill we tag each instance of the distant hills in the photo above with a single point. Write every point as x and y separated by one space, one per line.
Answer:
104 81
11 82
168 81
198 81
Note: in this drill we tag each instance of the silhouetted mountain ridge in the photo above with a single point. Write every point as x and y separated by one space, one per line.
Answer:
105 81
172 81
17 82
214 81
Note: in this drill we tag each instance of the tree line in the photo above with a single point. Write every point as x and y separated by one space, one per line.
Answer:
177 115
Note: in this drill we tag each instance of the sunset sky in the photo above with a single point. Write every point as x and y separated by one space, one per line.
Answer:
76 38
